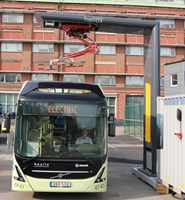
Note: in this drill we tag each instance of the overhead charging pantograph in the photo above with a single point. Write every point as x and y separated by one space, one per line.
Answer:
79 32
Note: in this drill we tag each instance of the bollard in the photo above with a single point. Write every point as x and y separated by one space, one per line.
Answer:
111 126
6 122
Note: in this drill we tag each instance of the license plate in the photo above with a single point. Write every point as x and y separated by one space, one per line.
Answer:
60 184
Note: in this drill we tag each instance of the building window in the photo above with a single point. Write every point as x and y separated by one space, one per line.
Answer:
71 48
111 104
174 81
134 80
43 48
10 78
107 49
167 51
8 102
12 18
134 99
166 23
43 77
11 47
74 78
105 80
134 109
135 51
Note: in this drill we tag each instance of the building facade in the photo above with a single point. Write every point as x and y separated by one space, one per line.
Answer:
27 48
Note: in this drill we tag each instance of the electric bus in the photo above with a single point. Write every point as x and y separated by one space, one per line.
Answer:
50 117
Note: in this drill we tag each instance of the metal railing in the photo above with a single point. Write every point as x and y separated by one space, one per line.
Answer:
133 122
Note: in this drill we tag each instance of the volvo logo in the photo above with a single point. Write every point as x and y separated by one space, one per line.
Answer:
60 175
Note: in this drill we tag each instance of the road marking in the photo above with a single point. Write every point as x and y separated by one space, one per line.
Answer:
126 145
109 145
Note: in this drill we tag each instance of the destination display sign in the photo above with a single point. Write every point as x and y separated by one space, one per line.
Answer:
66 109
61 109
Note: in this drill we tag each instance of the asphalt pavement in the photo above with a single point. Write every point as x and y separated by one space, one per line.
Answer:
125 154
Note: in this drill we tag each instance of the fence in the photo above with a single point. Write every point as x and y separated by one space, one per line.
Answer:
133 122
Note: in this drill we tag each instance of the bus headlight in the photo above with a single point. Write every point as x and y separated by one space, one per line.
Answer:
20 176
99 178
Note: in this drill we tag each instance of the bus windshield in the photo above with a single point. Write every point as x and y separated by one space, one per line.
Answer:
61 130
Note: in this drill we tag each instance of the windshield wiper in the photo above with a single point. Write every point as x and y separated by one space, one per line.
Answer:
28 160
32 158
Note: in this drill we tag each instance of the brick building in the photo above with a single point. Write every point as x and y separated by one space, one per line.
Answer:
27 48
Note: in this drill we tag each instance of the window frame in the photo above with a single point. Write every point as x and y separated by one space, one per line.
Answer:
130 82
71 48
74 78
3 78
102 48
7 47
108 96
112 80
42 77
7 105
164 52
130 51
13 18
166 25
173 81
37 49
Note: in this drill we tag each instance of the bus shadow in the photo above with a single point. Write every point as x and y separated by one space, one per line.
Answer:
68 196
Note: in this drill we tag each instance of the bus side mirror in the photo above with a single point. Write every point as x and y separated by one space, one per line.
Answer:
111 126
